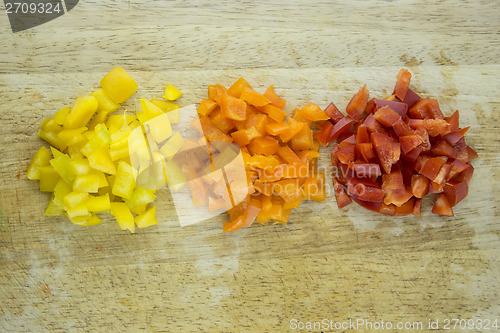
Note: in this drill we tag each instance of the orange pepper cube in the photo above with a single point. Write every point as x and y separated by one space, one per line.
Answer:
233 108
264 146
253 98
237 87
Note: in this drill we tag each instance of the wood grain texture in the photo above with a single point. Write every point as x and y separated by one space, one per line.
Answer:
326 263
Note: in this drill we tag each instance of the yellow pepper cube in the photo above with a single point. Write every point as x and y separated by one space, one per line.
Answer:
124 182
140 196
56 152
61 190
172 146
123 216
171 93
48 178
79 210
118 121
61 115
49 137
159 128
81 113
165 106
139 209
41 158
174 116
53 209
100 160
118 85
175 176
119 154
150 110
103 181
49 125
70 137
75 199
98 203
105 103
86 183
99 118
80 166
147 218
85 221
62 165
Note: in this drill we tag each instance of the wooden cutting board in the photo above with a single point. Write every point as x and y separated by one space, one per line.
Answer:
325 264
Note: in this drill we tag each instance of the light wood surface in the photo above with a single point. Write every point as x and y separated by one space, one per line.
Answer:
325 263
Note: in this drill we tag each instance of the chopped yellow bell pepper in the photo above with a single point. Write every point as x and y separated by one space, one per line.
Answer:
147 218
123 216
150 110
61 115
139 209
41 158
98 203
79 210
74 199
81 113
165 106
62 165
140 196
85 221
50 136
105 103
61 190
56 152
171 93
175 176
172 146
70 137
49 125
159 128
100 160
86 183
124 182
174 116
99 118
80 166
53 209
48 178
118 85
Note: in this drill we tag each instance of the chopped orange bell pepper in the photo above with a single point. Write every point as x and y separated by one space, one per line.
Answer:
288 155
233 108
215 92
243 137
303 139
313 112
220 121
275 99
237 87
293 129
274 112
263 146
253 98
206 106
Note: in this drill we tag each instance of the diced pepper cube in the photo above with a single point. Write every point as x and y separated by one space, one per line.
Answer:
118 85
41 158
48 178
147 218
123 216
171 93
81 113
124 183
